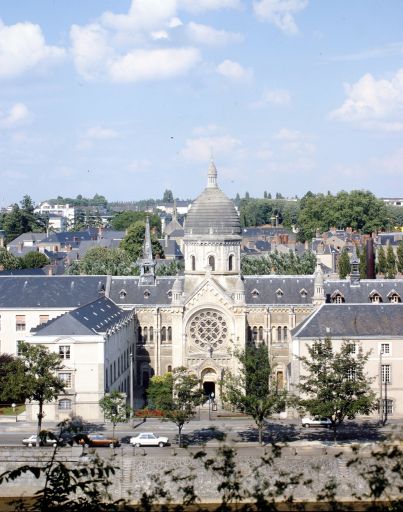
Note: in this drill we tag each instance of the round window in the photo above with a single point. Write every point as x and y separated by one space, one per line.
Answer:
208 329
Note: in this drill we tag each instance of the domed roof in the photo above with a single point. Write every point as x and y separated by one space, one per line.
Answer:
212 213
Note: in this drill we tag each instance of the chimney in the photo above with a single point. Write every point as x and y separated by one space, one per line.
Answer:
370 258
166 240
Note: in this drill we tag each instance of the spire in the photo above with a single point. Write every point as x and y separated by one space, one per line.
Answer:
146 263
175 212
212 176
147 248
319 288
355 268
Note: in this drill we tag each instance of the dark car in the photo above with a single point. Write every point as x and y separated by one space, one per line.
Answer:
95 440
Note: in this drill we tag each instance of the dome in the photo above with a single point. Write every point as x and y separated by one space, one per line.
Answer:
212 213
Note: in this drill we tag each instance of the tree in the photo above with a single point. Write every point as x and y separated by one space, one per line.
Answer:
12 374
168 197
344 264
399 253
123 220
177 395
254 389
390 263
104 261
362 256
114 408
170 269
42 383
381 260
34 259
133 242
8 261
335 384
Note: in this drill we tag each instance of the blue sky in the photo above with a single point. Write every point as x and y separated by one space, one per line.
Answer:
128 98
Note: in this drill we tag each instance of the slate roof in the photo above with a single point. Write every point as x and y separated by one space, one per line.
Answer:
171 249
24 272
126 290
294 290
69 237
96 317
360 294
27 237
352 320
85 245
49 291
261 231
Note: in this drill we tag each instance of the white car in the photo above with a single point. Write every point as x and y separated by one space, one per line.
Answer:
316 422
34 440
148 439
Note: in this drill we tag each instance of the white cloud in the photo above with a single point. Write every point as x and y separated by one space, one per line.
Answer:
296 142
276 97
23 47
175 22
159 34
288 135
153 64
280 13
374 104
200 149
90 49
372 53
208 5
96 134
204 34
234 71
16 116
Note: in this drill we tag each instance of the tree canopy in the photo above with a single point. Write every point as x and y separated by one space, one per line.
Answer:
279 263
12 382
123 220
176 394
133 242
334 383
254 388
114 408
104 261
22 219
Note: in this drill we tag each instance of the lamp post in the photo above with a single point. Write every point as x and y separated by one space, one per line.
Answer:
210 399
14 411
131 385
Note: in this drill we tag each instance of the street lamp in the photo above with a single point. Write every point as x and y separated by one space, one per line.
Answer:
14 411
210 399
131 385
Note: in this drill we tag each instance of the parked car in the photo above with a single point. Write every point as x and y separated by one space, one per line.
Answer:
95 440
316 421
148 439
36 440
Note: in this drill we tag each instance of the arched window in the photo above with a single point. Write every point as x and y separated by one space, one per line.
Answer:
279 338
254 333
139 334
145 334
164 334
169 333
211 262
280 380
249 333
231 262
260 333
193 262
169 368
285 333
151 333
64 405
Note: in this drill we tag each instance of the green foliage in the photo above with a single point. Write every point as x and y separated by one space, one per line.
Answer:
41 382
344 264
104 261
34 259
168 197
362 256
177 395
357 209
390 263
335 384
279 263
172 268
97 200
381 260
399 262
21 219
123 220
254 389
114 408
12 373
8 261
133 242
257 212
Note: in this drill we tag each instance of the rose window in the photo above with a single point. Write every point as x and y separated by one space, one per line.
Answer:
208 329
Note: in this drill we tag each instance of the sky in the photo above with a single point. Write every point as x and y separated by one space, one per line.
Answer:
129 98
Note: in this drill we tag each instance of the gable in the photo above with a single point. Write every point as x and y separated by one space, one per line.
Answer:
209 292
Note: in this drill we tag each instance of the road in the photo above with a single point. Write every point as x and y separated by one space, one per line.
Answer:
199 432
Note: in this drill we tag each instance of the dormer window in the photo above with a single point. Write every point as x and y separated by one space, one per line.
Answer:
394 297
255 293
303 293
146 294
337 297
375 297
122 294
279 293
169 294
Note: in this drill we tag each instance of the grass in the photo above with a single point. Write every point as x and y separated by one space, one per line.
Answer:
7 410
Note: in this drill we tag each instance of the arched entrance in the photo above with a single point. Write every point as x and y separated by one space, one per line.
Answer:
209 388
209 379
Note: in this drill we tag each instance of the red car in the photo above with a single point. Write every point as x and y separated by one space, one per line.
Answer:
95 440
